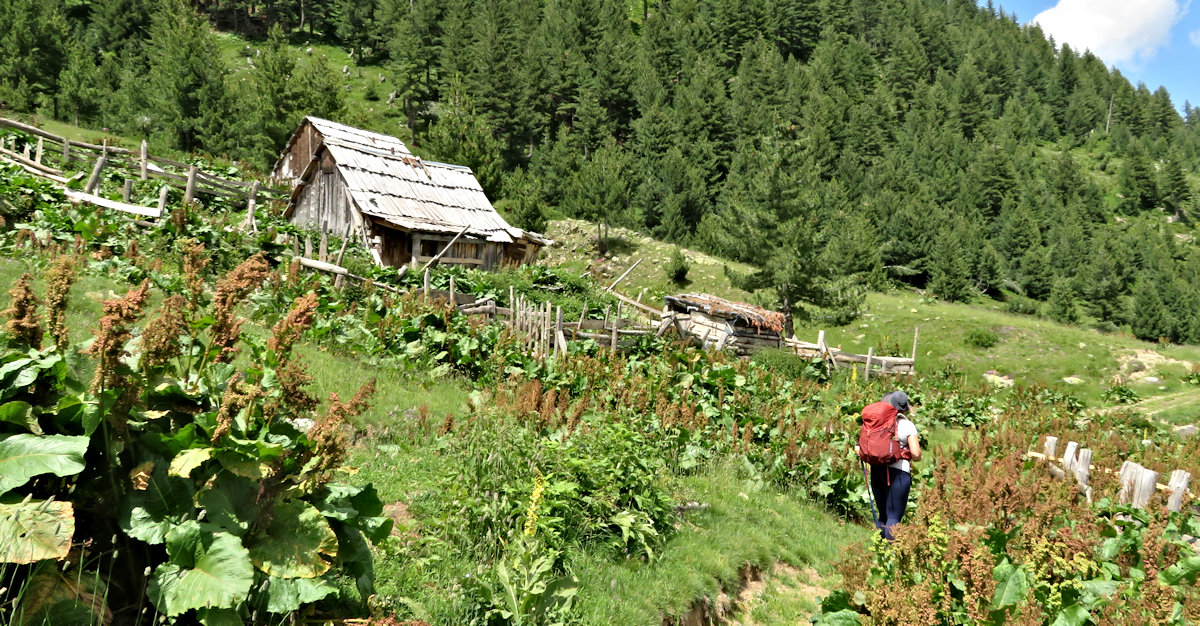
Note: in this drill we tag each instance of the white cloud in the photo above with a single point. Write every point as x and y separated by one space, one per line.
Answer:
1194 37
1117 31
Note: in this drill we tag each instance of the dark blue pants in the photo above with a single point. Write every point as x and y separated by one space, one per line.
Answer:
890 499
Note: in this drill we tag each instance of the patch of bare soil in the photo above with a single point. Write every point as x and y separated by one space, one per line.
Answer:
404 523
1138 364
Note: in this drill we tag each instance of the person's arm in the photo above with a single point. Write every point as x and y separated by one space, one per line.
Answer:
914 448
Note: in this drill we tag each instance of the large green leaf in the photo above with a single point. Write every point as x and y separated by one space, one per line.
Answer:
358 507
35 531
1011 585
24 456
19 413
220 577
149 514
285 595
230 502
1074 615
187 461
1185 570
298 544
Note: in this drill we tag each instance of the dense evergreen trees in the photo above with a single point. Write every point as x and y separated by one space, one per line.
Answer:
835 145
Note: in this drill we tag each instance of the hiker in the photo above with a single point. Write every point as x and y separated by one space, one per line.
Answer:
891 479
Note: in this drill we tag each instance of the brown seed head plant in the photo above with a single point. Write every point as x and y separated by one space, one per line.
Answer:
291 374
231 290
23 324
329 436
160 339
59 278
194 264
109 347
238 395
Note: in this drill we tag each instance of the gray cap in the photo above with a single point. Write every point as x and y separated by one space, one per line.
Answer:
898 399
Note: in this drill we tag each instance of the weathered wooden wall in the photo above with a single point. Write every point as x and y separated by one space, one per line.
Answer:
291 166
323 202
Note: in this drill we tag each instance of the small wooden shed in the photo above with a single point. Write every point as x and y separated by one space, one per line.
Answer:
722 323
405 209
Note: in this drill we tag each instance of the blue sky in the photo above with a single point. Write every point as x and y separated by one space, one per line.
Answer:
1152 41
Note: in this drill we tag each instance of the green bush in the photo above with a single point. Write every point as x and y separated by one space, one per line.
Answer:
981 337
1021 306
789 365
677 268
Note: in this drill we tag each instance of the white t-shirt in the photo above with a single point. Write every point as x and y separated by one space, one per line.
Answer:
904 430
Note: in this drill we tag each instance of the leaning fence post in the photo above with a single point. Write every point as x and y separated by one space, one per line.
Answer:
1178 485
41 148
190 190
94 179
162 199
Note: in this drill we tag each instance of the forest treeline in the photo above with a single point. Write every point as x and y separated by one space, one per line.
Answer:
836 145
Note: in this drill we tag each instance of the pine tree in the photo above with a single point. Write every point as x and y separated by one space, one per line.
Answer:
186 81
1136 182
1061 307
523 201
1173 187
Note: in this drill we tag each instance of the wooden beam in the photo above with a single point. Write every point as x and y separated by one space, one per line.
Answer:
622 276
433 262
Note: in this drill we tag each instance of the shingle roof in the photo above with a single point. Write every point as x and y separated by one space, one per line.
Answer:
387 181
755 316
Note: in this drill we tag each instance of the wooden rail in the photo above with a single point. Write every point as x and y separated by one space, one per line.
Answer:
136 164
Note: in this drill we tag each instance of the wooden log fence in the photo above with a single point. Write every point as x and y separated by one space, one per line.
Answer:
1137 484
136 164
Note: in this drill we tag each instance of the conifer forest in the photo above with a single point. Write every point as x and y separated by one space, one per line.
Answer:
201 424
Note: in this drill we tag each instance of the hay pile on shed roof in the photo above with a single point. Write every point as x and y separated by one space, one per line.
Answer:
755 316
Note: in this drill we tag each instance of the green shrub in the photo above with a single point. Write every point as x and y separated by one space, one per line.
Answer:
789 365
981 337
1021 306
677 268
1119 394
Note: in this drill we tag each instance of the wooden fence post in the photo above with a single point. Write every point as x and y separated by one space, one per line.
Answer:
323 246
1050 447
1126 478
308 249
1083 473
190 190
867 370
1178 485
94 179
162 199
426 283
452 301
66 152
144 158
1069 456
251 204
41 148
1143 487
560 340
128 190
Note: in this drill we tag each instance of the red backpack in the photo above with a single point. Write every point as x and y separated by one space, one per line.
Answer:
877 442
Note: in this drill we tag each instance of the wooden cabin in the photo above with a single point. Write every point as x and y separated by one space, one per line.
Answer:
352 182
722 323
